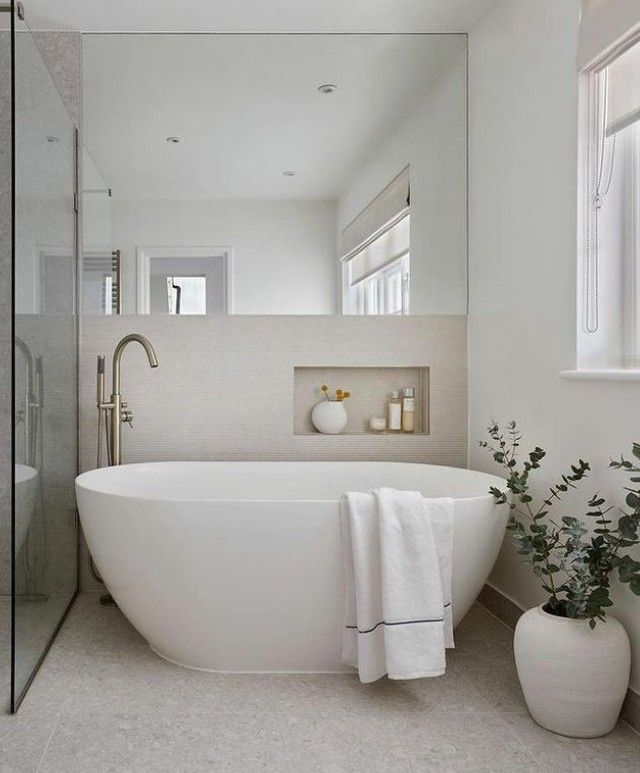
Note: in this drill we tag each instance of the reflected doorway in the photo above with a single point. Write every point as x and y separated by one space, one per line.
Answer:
184 280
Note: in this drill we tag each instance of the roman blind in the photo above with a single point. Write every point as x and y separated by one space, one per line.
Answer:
604 26
390 245
381 214
623 90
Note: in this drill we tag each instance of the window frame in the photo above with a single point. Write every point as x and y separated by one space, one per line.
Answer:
593 354
144 255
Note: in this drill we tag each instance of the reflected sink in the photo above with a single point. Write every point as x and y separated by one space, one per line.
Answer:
25 499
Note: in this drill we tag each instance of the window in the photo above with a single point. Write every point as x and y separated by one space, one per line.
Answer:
609 330
187 294
385 291
375 253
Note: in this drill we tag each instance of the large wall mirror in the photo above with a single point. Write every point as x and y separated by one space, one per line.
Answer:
275 174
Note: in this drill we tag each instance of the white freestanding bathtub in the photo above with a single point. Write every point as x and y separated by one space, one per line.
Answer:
26 496
236 566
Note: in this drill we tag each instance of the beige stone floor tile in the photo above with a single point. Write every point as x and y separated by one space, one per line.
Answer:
187 740
103 701
331 692
619 751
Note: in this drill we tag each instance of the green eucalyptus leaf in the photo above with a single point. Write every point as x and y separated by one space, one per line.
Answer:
634 585
550 544
628 526
632 500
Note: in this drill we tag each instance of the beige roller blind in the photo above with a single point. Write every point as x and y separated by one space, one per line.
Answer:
604 26
389 246
623 90
387 207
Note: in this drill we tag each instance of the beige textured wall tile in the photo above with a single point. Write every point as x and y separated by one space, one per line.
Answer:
370 390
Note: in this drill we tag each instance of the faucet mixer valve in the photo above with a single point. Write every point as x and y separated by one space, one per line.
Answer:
117 408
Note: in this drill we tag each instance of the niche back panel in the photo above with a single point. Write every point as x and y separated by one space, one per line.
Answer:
224 386
370 389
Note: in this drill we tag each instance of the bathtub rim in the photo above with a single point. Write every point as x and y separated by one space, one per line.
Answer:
82 480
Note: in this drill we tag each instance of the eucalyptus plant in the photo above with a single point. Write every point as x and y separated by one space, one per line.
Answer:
574 563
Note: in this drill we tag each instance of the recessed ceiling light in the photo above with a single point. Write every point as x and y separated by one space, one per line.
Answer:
173 140
289 173
327 88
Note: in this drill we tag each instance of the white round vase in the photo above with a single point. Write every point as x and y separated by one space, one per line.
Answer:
574 679
329 417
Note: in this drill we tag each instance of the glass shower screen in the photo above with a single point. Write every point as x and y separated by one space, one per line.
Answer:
45 357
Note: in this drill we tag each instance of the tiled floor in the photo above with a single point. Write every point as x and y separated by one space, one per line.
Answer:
35 622
104 702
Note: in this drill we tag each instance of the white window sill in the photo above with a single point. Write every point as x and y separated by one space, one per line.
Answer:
602 375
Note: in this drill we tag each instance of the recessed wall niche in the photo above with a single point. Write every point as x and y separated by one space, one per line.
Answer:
370 389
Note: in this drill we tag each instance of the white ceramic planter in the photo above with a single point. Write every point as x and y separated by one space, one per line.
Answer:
574 679
329 417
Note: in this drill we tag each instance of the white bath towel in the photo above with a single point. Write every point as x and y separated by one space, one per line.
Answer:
397 548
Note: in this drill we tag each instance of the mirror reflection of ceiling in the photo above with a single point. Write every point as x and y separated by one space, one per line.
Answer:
249 15
246 108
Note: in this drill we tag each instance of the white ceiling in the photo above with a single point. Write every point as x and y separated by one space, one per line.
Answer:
257 15
247 108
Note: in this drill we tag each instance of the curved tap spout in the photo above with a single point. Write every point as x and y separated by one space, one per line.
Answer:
26 353
117 406
117 356
32 400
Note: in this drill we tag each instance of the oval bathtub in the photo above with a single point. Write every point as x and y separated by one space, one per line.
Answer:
236 566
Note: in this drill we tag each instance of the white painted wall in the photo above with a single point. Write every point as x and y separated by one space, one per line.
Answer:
283 251
522 322
433 140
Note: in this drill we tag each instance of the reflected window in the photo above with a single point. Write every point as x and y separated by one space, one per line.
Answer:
187 294
385 291
376 278
375 253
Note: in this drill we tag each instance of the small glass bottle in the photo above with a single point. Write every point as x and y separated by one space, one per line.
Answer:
377 423
408 409
394 423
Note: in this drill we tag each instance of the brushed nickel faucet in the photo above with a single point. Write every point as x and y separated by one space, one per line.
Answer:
32 405
117 409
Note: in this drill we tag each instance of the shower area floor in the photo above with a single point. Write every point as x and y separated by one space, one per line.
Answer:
36 619
104 702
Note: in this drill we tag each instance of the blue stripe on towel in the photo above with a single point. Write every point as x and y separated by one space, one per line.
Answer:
400 622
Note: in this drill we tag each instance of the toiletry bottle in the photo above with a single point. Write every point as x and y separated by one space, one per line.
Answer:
408 409
395 413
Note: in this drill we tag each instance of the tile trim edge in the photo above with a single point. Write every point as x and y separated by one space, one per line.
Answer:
508 612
